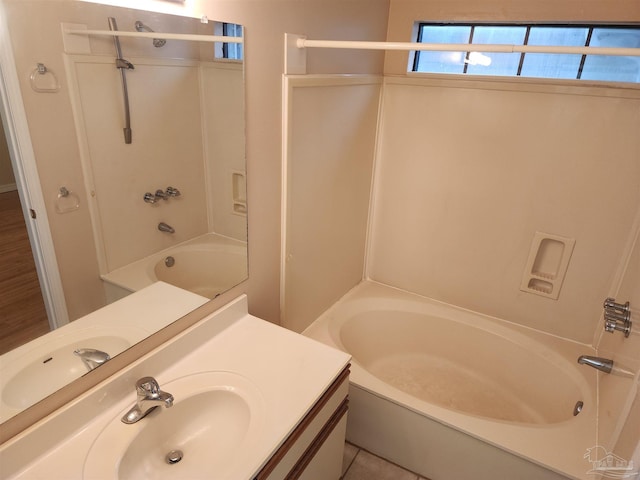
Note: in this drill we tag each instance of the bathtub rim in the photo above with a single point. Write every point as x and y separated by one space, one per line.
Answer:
544 355
507 436
140 274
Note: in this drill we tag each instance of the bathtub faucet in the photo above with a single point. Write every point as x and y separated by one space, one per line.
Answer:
163 227
603 364
617 316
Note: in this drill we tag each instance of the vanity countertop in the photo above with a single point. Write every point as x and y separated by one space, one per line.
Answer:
290 372
130 319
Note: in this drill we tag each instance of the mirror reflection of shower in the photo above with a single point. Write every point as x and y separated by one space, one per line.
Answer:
157 42
122 65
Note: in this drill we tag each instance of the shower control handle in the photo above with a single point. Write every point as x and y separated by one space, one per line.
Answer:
610 304
173 192
161 194
617 317
149 197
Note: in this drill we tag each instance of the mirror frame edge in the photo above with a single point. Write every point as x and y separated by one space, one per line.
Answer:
32 415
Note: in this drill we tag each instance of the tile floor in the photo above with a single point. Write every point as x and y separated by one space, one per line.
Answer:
359 464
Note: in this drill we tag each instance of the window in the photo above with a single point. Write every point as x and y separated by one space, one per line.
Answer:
232 51
541 65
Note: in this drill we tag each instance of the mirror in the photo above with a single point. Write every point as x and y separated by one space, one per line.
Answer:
169 206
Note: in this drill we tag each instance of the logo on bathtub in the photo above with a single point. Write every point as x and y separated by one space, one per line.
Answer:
608 464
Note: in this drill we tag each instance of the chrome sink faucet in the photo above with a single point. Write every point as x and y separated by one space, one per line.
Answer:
91 357
149 397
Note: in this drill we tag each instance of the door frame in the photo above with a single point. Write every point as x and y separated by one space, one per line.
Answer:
23 161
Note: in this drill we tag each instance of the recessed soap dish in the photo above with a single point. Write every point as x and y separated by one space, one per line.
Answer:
547 264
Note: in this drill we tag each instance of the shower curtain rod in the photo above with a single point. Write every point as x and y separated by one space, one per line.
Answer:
303 42
167 36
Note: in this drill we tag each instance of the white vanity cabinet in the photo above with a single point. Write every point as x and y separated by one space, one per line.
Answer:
285 397
313 451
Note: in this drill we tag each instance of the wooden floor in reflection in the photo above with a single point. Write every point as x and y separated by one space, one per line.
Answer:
22 313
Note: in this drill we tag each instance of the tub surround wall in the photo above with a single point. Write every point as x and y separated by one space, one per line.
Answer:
331 128
224 136
166 150
626 350
620 393
626 444
178 96
468 171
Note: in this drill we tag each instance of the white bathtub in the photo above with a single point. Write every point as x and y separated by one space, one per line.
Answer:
452 394
207 265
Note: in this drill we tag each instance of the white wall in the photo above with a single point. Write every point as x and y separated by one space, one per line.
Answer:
467 172
329 161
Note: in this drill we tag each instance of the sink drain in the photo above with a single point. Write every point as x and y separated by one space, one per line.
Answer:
174 456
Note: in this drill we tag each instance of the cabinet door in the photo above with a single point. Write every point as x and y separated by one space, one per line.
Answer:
326 464
301 446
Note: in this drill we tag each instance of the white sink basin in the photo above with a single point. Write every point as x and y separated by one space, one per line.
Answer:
52 366
215 419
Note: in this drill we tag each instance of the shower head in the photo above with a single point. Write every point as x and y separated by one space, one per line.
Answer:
157 42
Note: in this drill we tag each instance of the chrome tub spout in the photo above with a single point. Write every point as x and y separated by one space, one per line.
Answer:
163 227
603 364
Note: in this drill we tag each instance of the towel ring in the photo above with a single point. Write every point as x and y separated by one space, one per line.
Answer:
67 201
44 80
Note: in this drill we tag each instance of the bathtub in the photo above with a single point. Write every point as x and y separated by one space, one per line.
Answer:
207 265
453 394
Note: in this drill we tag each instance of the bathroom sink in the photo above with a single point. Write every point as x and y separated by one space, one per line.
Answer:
52 366
215 420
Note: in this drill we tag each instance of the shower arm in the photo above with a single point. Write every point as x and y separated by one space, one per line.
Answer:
122 65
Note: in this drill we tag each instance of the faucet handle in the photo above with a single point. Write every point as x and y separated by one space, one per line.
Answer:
161 194
173 192
610 304
610 325
147 386
149 197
